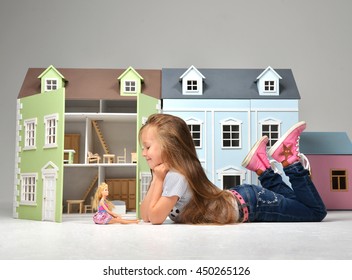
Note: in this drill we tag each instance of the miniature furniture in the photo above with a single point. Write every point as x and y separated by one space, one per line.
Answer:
121 159
93 158
89 207
108 158
68 156
134 157
123 189
120 207
72 142
71 202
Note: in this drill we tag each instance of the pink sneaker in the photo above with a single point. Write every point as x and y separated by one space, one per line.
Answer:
257 158
286 149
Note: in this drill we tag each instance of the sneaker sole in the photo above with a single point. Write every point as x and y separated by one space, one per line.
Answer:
279 142
248 158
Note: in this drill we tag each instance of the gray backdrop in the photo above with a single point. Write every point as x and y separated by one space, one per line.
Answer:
313 38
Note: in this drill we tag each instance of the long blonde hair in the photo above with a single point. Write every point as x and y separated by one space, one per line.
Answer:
209 204
98 196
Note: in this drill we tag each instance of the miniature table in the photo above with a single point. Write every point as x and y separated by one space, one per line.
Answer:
70 154
75 201
110 158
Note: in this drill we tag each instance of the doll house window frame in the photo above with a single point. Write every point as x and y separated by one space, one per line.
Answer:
231 141
192 81
30 131
270 86
192 86
146 178
130 86
29 188
197 139
272 134
231 172
338 180
50 127
51 84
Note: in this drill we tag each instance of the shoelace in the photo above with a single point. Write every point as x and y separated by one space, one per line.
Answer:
305 162
302 157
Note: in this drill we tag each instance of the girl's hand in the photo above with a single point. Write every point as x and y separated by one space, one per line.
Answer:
160 171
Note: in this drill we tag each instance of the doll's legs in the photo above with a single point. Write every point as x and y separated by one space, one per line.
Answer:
119 220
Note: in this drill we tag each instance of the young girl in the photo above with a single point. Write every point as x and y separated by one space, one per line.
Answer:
179 182
105 215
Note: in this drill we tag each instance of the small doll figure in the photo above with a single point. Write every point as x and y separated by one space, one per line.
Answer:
104 214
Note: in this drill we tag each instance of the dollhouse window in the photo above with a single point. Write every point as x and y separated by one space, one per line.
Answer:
338 180
269 86
146 178
196 133
272 131
51 84
51 131
229 181
231 176
192 86
28 188
130 87
30 134
231 134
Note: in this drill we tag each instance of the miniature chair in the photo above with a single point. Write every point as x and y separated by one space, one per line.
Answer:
93 158
133 157
121 159
89 207
68 156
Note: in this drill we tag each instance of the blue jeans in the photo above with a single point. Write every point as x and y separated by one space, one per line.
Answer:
275 201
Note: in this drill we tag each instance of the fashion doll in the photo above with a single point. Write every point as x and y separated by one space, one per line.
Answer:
104 214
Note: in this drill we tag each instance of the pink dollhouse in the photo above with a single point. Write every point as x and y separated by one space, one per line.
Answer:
330 158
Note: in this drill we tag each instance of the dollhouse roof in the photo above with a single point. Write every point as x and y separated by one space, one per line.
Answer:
325 143
228 84
93 84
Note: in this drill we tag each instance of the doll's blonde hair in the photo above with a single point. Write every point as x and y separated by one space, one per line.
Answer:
98 196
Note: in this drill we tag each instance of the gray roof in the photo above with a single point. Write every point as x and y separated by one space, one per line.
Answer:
325 143
227 84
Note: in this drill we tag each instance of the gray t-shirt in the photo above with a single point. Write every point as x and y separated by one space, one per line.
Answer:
175 184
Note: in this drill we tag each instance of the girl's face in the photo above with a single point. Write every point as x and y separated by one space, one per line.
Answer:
151 148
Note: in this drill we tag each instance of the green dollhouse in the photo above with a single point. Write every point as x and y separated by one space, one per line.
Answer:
76 128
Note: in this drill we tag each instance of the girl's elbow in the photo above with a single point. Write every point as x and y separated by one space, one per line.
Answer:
156 220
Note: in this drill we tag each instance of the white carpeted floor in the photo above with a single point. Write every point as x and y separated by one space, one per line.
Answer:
78 238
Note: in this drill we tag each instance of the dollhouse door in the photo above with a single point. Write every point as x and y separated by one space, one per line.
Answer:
49 187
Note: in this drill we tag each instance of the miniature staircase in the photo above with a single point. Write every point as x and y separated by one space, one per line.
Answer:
91 186
100 136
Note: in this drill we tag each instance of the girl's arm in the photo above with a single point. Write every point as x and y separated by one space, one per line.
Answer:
155 208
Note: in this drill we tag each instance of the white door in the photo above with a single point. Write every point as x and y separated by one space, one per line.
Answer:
49 188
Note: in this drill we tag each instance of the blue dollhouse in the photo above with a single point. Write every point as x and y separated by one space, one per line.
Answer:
228 110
